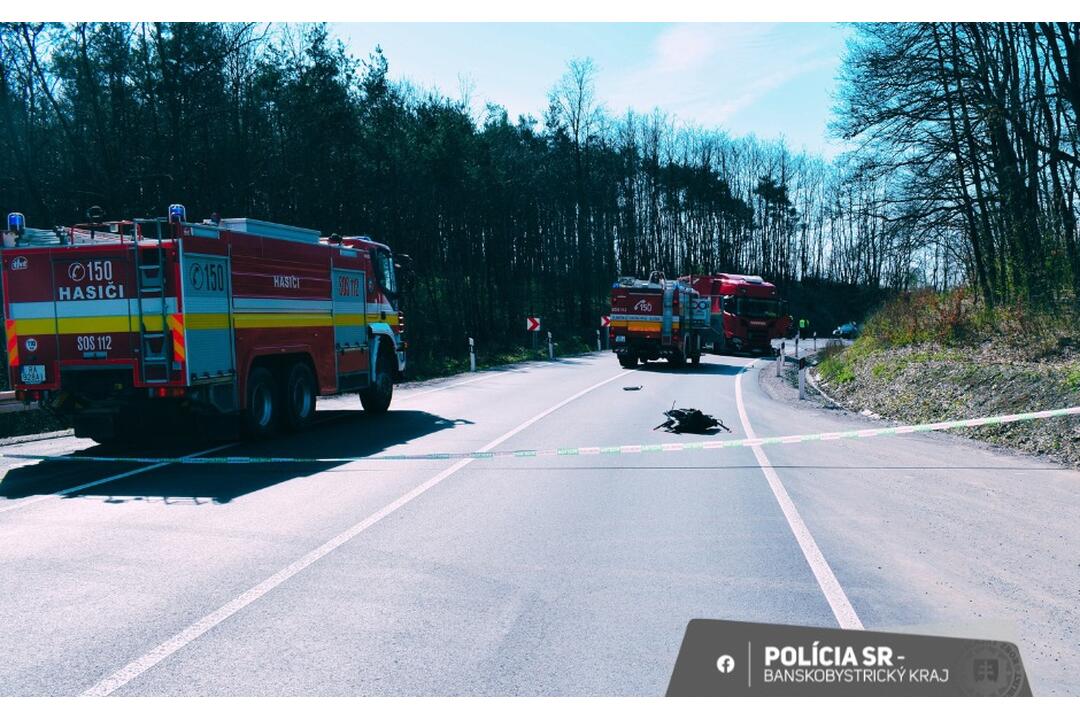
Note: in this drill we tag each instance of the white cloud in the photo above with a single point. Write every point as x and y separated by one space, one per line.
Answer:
709 73
763 85
683 48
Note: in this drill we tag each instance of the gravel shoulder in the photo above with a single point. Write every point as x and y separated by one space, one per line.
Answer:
926 383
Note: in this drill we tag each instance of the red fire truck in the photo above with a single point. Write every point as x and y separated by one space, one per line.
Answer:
745 312
111 323
656 318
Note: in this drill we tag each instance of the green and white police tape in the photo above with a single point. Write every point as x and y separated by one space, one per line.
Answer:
571 451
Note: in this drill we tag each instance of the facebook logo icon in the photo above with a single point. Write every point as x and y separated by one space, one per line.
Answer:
725 664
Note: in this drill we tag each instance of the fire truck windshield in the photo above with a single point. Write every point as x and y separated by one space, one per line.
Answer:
384 271
757 308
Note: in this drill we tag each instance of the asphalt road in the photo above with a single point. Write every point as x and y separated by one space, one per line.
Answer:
552 575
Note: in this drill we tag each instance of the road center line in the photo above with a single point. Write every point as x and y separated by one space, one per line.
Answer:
830 586
129 672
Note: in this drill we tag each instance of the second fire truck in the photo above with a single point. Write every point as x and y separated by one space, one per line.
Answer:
656 318
745 312
110 324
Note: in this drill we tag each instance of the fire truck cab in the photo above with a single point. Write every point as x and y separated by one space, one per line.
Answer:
111 323
745 312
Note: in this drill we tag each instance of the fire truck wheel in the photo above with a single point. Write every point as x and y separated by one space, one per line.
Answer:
628 361
696 359
298 398
376 398
260 417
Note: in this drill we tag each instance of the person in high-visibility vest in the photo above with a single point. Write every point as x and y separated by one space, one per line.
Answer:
804 325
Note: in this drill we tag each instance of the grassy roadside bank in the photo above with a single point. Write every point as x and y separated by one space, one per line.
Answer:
928 356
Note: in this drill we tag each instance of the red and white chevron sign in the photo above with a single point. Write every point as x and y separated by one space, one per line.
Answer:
605 321
532 324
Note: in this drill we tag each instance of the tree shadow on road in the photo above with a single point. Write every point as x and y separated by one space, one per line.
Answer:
335 434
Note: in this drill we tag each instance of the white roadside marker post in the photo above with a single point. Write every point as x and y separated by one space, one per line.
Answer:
802 378
551 347
598 348
472 355
815 341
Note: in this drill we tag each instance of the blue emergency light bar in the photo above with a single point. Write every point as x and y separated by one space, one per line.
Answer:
16 222
177 213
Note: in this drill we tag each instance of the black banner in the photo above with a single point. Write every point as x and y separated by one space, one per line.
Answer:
720 658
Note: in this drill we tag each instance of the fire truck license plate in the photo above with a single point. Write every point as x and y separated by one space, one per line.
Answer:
33 374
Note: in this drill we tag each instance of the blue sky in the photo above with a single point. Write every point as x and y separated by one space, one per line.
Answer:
770 79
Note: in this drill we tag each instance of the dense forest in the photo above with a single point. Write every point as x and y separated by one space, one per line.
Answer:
963 166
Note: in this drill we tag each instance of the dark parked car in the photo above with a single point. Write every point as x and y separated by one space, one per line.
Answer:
847 330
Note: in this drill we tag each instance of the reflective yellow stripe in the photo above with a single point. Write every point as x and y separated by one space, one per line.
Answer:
206 321
220 321
277 320
350 319
390 319
12 342
193 321
641 325
176 329
86 325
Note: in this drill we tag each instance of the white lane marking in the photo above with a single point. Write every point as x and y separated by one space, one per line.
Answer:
830 586
110 478
134 669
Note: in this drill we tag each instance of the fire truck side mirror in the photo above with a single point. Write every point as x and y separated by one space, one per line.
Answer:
404 269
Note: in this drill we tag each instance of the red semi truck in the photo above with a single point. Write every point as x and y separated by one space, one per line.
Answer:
109 324
656 318
745 312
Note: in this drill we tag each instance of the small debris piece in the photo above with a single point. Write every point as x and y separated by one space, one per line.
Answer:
631 387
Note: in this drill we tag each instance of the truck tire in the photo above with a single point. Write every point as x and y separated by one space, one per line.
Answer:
298 396
677 359
376 397
628 361
261 414
117 431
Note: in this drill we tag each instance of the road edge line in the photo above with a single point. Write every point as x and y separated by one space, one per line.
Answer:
134 669
834 593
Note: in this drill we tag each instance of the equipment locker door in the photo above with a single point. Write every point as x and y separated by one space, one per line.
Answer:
205 332
665 327
350 321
